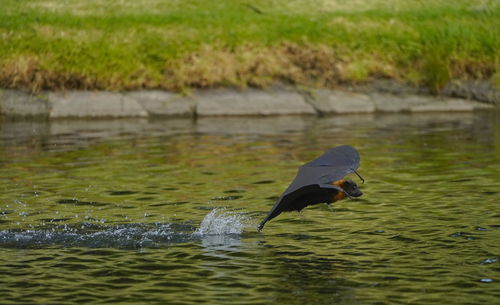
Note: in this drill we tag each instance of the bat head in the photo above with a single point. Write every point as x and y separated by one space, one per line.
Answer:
351 188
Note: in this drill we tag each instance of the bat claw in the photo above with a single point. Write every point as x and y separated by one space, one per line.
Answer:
362 180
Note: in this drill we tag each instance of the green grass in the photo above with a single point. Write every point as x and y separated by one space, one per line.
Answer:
175 44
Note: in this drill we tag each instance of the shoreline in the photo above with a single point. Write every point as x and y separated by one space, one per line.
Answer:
376 97
179 45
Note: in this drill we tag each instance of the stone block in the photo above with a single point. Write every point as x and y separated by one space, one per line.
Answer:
449 105
385 102
19 103
479 90
225 102
329 101
93 104
161 103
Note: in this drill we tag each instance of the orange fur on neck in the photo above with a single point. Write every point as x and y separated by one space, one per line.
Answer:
339 195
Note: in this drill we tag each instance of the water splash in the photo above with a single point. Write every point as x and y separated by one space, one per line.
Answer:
119 236
219 227
222 222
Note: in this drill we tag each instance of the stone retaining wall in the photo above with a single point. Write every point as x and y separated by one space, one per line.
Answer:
222 102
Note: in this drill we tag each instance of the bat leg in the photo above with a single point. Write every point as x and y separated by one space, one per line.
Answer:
261 225
268 217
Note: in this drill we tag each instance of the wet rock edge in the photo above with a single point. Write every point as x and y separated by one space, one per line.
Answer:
276 100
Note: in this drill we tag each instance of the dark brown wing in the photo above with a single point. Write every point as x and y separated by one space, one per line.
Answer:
314 180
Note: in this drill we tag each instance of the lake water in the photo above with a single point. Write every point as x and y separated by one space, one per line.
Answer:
165 212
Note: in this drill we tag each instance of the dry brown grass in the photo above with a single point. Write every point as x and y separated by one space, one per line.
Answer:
26 72
316 66
209 67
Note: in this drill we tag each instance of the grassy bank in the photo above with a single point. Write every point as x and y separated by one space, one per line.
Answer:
169 44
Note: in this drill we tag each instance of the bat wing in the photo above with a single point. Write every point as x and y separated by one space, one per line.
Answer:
315 177
333 165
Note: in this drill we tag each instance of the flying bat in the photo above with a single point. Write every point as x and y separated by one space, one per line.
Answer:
320 181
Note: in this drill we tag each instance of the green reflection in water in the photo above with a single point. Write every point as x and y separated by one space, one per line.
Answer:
106 211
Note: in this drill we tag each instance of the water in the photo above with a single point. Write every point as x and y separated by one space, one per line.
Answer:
165 212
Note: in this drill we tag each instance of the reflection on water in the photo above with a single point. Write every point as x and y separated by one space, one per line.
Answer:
165 211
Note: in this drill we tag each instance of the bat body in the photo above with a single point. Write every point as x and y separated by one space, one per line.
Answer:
320 181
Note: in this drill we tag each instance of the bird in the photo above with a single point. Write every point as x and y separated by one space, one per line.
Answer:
320 181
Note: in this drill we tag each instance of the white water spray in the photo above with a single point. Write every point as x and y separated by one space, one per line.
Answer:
222 222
